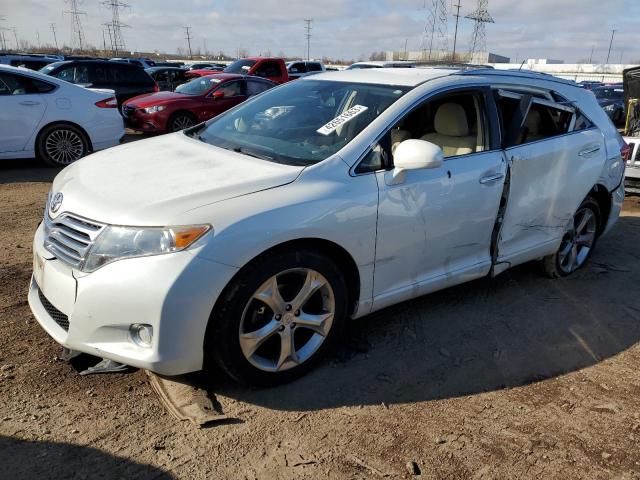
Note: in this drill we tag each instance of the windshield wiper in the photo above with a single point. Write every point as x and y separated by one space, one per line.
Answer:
250 153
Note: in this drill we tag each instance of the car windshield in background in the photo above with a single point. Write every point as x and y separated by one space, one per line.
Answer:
608 93
47 69
240 66
198 86
302 122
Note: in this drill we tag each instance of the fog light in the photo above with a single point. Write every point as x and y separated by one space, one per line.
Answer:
141 334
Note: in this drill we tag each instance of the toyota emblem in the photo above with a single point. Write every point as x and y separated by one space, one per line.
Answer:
56 202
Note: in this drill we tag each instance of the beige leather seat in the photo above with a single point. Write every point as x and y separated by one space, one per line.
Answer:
532 127
397 137
452 131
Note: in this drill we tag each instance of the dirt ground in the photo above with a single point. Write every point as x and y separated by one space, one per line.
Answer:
515 377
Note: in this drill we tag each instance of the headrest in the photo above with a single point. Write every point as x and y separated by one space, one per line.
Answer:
451 120
532 122
398 135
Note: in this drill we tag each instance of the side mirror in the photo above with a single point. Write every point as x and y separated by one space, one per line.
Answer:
217 95
415 155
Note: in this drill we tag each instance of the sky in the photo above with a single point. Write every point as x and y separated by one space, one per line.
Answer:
346 29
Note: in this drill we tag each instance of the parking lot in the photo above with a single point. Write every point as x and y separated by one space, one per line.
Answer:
518 376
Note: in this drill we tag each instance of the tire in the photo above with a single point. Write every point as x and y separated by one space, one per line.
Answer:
180 121
578 242
286 323
61 144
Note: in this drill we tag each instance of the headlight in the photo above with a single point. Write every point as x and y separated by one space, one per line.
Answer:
154 109
117 243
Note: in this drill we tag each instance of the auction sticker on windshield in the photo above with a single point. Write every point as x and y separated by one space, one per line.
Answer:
341 119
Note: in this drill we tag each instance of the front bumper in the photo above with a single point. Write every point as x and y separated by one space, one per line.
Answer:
173 293
632 178
142 122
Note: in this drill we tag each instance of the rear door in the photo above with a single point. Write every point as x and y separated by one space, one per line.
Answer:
163 79
21 110
554 161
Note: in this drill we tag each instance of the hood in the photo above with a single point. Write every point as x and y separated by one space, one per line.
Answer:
150 99
151 182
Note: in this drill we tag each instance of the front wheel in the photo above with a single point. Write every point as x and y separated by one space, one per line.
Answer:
277 318
578 242
180 121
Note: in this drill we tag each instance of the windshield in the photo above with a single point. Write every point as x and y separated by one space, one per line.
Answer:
608 93
49 68
199 86
240 66
302 122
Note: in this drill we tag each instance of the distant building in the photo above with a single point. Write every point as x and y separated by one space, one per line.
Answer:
543 61
465 57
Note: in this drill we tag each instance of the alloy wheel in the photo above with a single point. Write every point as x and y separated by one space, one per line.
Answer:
64 146
287 319
181 122
578 241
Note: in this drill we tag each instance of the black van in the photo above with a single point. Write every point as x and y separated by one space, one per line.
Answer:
126 79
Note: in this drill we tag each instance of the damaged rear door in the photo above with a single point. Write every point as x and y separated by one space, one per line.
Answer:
552 166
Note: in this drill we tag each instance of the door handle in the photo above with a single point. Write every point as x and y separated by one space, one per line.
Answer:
589 151
29 103
491 178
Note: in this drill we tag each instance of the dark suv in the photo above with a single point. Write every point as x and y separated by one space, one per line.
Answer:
127 80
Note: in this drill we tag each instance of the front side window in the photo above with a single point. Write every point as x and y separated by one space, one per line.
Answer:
254 87
302 122
232 89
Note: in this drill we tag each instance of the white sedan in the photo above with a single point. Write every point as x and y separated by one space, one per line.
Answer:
248 241
54 120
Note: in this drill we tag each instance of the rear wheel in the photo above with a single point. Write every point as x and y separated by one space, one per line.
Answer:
180 121
61 145
278 317
578 242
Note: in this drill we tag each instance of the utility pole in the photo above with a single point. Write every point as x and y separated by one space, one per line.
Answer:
455 35
593 47
55 39
188 37
15 35
308 35
406 40
613 32
38 39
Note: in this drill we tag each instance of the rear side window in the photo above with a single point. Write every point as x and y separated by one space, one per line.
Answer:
544 121
41 87
582 122
126 74
315 67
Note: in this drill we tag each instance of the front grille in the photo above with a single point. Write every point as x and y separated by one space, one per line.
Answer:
70 237
59 317
127 111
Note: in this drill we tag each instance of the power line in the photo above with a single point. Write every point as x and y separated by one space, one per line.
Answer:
116 26
76 22
187 31
480 17
308 36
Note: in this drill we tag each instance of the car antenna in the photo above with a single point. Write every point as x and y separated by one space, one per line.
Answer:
521 65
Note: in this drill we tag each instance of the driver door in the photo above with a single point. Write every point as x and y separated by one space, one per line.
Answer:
225 96
435 228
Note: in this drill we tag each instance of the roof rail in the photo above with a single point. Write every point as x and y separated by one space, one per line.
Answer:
518 73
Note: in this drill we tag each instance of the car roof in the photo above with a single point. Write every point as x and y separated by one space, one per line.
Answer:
409 77
162 67
382 63
224 76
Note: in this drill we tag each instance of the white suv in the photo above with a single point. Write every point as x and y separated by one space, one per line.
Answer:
249 240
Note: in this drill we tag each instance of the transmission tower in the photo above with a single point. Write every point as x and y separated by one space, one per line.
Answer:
480 17
53 29
76 23
3 41
435 29
115 25
307 35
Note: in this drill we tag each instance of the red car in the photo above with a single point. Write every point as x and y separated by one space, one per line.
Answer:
271 68
191 103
